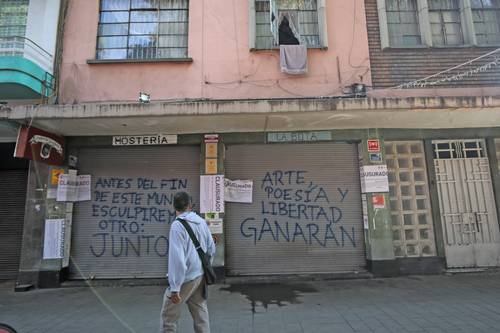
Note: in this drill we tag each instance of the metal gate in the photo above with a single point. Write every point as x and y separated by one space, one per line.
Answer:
12 202
467 204
123 231
305 216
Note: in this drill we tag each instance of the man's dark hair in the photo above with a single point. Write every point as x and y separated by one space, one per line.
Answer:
181 201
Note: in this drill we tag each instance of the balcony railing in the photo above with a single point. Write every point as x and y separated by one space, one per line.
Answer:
17 46
28 49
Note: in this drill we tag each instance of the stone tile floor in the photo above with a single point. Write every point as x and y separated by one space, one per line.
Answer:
456 303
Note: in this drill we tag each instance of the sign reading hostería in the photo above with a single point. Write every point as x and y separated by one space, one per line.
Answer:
145 140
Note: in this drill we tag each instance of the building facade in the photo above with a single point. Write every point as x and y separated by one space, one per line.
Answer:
380 159
28 31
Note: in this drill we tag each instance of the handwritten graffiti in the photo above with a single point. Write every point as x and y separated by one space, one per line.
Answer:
128 211
298 210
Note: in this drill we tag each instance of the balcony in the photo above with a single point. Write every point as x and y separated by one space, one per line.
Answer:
25 70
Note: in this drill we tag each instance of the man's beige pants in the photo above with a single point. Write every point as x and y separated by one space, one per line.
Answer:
191 293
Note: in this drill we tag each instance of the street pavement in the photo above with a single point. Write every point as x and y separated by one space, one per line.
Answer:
444 303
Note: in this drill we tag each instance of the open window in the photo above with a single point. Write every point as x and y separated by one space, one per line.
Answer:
301 21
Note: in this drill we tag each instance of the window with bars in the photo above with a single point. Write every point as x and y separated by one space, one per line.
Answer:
459 149
304 15
486 17
143 29
438 23
402 22
445 21
412 228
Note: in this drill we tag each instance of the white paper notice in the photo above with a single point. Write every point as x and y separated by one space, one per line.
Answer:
238 190
53 239
215 226
66 188
73 188
374 178
212 194
83 187
365 222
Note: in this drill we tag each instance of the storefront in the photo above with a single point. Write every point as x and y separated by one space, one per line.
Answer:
13 184
305 216
123 231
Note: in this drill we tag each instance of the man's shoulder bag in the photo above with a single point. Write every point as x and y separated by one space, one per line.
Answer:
208 270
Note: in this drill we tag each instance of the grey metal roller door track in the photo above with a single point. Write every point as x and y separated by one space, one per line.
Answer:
123 231
12 202
306 211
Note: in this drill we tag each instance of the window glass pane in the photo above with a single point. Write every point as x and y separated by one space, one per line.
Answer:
143 28
113 29
177 4
112 54
143 16
175 16
112 42
114 17
173 28
444 16
173 41
141 41
144 4
115 4
402 22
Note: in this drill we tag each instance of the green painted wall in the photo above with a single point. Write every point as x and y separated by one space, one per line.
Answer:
23 79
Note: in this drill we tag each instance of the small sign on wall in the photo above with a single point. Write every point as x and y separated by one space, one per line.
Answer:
374 178
374 145
378 201
212 194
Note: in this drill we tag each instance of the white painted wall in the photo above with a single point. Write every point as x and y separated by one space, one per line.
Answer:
43 16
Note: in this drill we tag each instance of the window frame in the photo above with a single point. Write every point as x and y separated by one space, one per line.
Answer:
127 48
322 27
466 24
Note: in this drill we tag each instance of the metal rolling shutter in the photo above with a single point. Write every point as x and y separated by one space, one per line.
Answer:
316 241
12 202
136 243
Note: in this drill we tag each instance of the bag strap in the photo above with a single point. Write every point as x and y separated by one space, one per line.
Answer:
192 236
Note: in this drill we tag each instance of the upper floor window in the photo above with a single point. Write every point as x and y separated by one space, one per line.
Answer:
143 29
402 22
446 25
486 15
305 19
439 23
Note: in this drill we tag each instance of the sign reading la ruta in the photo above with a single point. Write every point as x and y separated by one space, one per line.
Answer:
38 145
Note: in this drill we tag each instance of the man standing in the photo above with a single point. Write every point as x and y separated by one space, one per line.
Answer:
185 272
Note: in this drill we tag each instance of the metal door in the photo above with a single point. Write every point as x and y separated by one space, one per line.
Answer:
12 202
123 231
305 216
466 201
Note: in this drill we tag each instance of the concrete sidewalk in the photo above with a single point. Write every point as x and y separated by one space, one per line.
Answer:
458 303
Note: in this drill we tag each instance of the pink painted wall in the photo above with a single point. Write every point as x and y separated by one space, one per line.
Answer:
223 66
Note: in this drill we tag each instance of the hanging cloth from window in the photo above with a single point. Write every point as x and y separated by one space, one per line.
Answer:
293 59
273 20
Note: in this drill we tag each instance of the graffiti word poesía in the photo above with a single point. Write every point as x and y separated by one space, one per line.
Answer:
297 210
132 216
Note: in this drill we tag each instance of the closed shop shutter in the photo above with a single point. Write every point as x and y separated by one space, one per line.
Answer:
12 202
123 231
305 216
